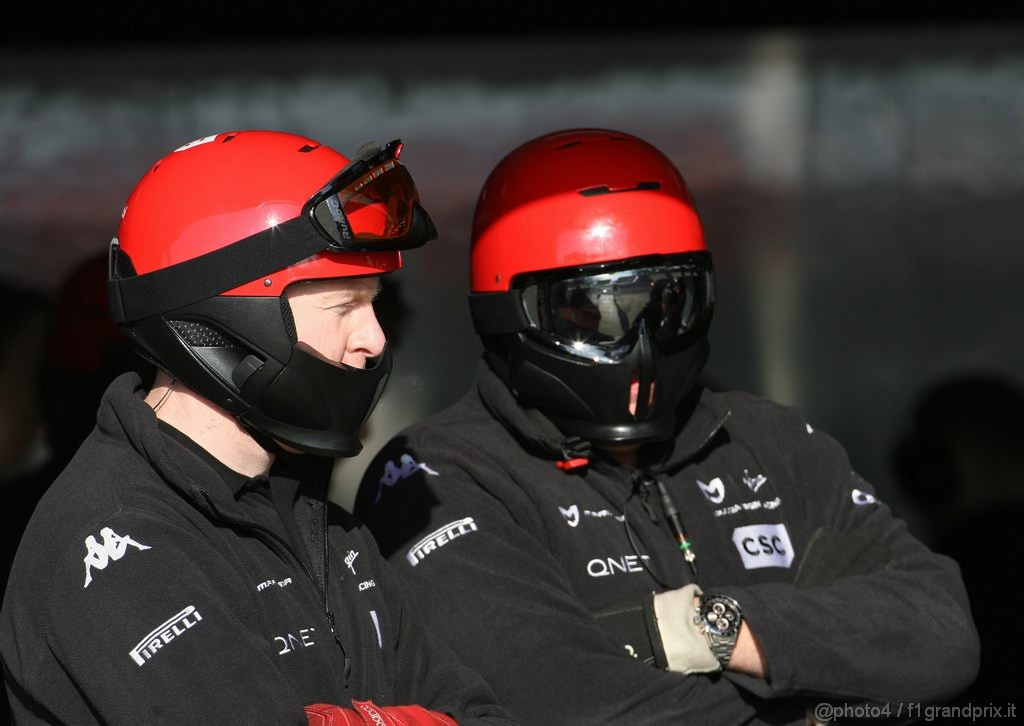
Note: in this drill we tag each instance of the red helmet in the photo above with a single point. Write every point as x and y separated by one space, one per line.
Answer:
560 200
209 240
592 284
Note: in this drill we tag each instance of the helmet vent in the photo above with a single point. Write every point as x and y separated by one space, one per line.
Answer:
641 186
308 148
201 335
229 137
568 145
221 355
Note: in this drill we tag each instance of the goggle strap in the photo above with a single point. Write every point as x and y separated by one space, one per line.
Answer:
365 152
141 296
498 313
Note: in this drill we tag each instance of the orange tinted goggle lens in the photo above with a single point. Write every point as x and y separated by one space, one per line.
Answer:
377 205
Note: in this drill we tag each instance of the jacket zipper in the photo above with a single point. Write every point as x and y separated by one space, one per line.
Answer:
281 547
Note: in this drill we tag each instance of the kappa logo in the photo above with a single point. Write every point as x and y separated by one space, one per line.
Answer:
99 555
754 482
861 498
162 636
394 473
763 545
439 538
572 514
713 490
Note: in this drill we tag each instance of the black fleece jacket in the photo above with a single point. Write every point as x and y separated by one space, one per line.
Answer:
143 593
512 556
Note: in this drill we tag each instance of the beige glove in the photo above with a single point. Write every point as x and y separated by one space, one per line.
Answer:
686 648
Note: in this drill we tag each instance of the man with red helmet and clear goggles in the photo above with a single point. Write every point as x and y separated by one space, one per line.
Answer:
606 540
187 565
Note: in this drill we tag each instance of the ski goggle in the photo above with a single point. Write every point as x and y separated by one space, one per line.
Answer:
372 204
600 315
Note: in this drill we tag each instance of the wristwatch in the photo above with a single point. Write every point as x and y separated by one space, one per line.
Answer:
719 617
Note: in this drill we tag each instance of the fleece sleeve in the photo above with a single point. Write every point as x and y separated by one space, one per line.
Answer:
427 671
873 614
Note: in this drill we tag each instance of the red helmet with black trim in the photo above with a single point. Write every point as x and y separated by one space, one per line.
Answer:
591 283
211 237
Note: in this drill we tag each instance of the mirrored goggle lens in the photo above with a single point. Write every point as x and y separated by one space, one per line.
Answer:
599 315
376 206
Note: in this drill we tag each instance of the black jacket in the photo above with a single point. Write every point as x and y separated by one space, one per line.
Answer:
143 593
513 555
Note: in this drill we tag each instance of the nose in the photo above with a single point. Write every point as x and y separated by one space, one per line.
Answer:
367 339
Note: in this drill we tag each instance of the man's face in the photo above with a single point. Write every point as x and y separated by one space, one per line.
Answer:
336 319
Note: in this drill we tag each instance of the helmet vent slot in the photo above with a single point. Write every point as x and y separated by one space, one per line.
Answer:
640 186
202 335
221 353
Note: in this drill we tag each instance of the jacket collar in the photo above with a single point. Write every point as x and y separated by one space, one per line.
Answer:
124 415
703 418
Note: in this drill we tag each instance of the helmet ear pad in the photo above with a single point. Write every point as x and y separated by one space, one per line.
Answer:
192 344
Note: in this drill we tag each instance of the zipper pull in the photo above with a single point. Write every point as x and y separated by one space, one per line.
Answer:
337 639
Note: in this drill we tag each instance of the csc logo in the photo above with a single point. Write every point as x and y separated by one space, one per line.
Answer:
763 545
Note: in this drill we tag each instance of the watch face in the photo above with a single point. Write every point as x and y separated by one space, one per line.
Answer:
721 615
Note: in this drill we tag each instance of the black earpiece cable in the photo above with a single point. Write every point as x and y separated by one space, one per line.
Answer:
674 521
676 525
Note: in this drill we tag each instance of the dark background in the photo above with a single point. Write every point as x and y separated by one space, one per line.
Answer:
138 25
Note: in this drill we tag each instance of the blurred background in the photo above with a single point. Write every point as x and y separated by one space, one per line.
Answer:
860 178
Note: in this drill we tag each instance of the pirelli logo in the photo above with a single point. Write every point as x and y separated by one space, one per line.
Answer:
162 636
439 538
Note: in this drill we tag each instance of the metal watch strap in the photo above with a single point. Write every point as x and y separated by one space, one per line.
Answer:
722 647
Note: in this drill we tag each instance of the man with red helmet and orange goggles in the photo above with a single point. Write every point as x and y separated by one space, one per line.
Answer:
606 540
187 565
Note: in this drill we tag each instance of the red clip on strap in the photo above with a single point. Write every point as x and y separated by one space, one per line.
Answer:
571 464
